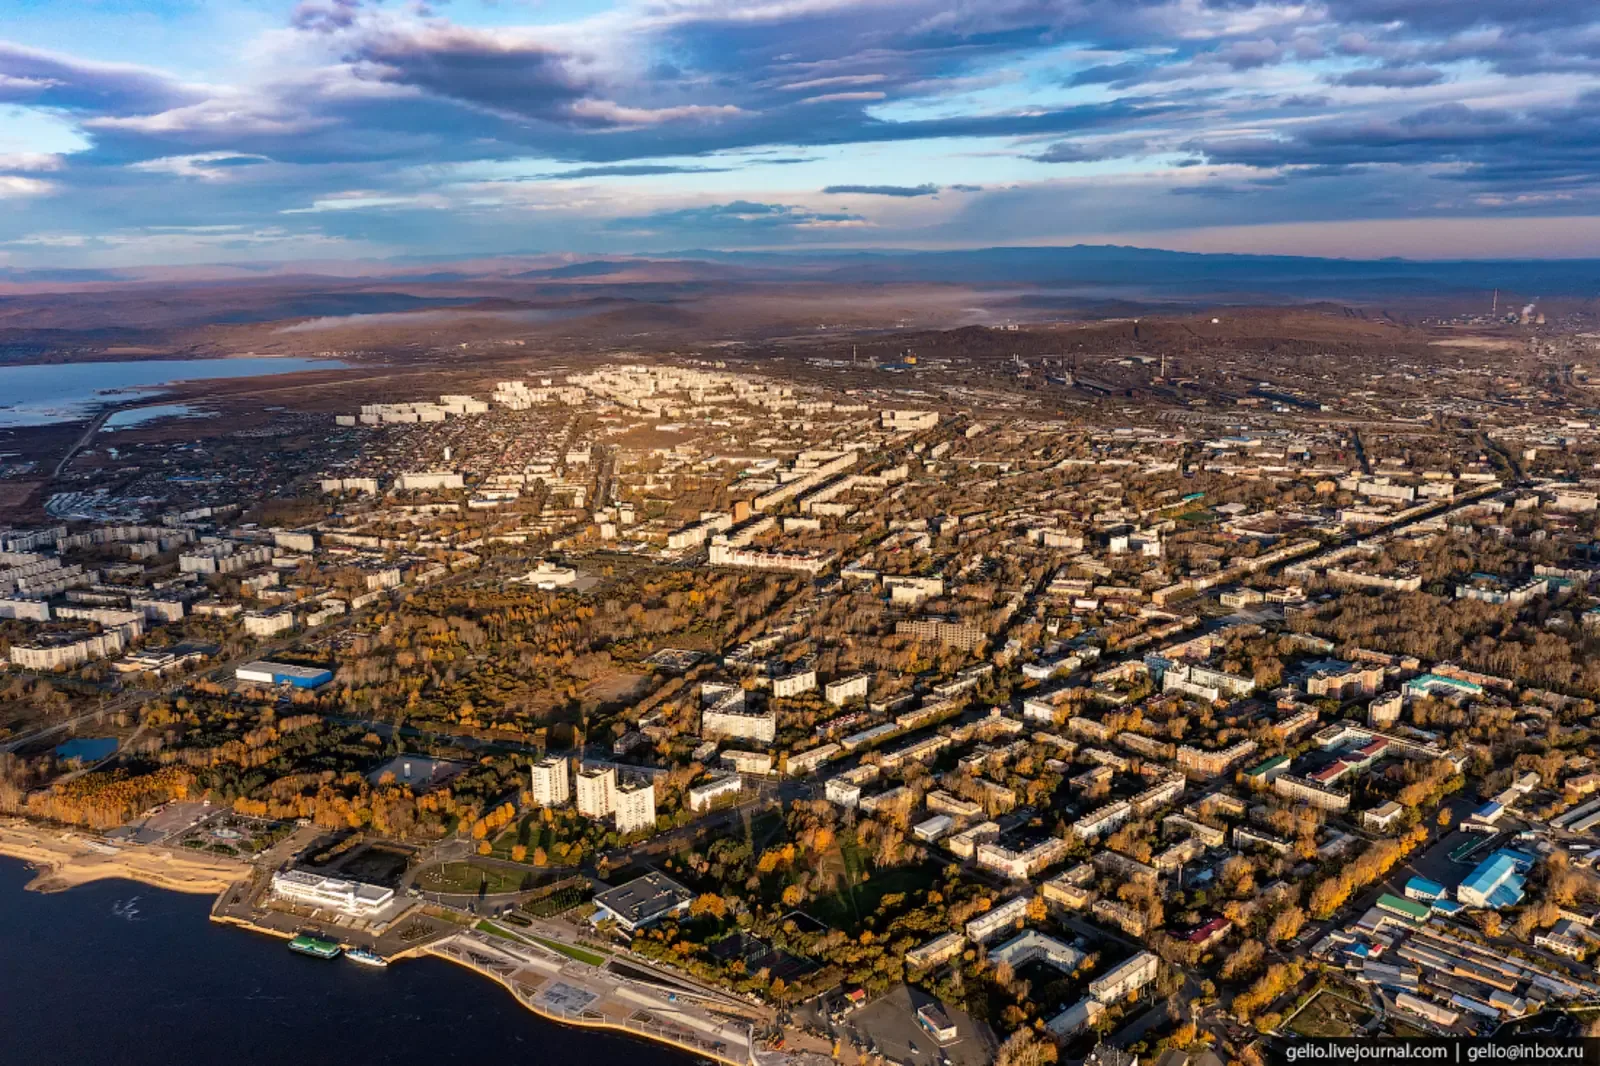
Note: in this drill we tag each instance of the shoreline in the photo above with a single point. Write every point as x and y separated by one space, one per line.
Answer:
64 858
558 1019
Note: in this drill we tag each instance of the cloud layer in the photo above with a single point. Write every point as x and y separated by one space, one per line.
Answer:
655 124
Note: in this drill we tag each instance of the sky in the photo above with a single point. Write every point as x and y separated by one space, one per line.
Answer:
200 131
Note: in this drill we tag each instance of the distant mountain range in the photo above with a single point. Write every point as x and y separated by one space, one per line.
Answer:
1182 271
1074 265
701 288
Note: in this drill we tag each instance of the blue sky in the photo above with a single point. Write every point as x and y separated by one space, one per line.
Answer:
182 131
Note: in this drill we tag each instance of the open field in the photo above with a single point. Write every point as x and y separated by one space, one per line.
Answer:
469 877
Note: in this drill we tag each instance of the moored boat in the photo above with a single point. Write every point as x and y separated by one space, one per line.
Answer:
366 957
315 946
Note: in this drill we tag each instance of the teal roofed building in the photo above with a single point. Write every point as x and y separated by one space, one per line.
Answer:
1438 685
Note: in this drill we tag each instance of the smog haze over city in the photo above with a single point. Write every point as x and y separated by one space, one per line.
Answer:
790 532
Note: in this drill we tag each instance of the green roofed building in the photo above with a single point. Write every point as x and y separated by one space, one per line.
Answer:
1405 908
1268 771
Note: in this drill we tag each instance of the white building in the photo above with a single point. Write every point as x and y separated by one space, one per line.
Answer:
635 805
794 684
67 652
704 795
32 610
549 783
940 949
355 898
267 623
746 762
909 590
845 689
1020 865
727 717
421 481
1126 978
998 919
1033 946
597 788
904 421
1075 1019
1102 820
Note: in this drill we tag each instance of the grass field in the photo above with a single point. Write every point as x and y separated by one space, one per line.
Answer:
580 954
493 930
466 878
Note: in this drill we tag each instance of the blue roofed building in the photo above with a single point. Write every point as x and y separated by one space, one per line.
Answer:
1496 882
1424 890
1489 813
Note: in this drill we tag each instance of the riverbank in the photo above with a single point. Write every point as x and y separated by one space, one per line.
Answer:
63 859
571 993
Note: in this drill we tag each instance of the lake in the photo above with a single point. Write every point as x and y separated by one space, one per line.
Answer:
70 392
88 977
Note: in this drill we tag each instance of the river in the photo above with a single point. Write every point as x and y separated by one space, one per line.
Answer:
41 395
87 977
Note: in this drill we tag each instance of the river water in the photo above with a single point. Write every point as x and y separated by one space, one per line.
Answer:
41 395
88 977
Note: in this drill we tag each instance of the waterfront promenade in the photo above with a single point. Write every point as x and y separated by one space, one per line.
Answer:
575 992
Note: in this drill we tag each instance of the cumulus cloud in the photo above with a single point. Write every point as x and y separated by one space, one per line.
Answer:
13 187
30 161
1340 105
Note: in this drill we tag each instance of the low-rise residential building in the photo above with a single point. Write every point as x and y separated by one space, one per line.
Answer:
1021 865
1126 978
720 786
1003 916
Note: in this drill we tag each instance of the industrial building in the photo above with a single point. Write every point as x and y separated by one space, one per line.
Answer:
264 672
1497 881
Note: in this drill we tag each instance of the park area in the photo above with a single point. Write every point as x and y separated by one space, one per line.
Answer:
861 887
470 877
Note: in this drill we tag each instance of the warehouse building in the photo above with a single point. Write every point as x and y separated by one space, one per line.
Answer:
263 672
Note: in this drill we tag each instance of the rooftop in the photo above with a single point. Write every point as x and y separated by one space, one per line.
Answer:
644 899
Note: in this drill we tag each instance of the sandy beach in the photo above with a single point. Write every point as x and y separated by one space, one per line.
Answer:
65 858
